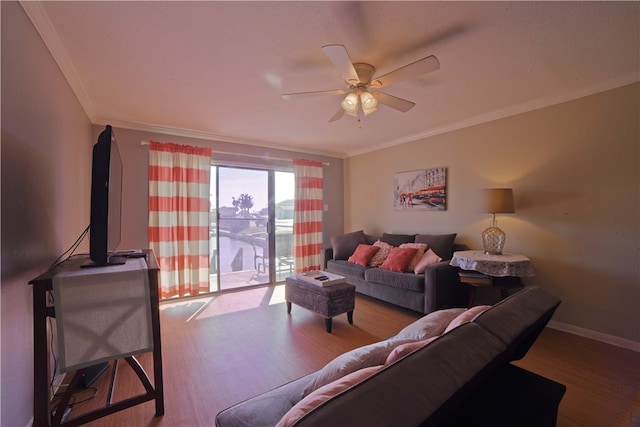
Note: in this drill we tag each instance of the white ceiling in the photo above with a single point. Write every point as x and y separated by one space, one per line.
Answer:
216 70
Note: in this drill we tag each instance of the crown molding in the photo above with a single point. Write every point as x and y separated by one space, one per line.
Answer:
508 112
208 136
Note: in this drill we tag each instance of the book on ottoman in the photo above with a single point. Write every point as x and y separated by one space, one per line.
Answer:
321 278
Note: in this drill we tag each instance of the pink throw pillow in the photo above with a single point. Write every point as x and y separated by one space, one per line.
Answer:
427 259
421 248
466 316
324 393
403 349
398 259
431 325
363 254
382 254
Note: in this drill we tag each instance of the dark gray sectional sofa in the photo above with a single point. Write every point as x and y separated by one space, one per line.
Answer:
462 376
437 288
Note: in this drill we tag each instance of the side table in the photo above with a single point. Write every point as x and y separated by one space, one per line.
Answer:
502 272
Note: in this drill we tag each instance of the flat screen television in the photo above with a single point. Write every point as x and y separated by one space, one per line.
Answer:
106 201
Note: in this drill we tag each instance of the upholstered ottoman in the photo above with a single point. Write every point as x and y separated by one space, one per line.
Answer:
326 301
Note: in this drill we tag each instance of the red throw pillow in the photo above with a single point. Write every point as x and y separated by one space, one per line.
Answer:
421 248
398 259
363 254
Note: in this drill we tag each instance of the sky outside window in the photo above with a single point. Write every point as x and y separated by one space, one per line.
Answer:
252 182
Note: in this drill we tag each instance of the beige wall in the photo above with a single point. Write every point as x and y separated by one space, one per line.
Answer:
46 153
135 161
574 168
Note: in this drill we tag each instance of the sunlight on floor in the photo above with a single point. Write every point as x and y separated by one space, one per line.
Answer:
232 302
278 295
182 303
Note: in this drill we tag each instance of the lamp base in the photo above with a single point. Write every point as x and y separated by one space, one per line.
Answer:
493 239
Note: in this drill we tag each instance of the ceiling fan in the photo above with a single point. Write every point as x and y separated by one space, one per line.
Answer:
359 77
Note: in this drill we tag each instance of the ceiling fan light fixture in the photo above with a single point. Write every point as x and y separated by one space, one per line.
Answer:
369 103
350 104
359 77
368 111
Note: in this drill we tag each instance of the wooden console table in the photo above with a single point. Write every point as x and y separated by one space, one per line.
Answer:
42 410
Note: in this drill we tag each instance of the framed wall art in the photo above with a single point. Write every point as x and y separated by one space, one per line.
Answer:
424 190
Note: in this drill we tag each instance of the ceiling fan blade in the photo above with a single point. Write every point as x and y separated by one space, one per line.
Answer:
415 69
393 101
337 53
309 94
337 116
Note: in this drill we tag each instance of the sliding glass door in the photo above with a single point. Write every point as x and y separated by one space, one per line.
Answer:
251 227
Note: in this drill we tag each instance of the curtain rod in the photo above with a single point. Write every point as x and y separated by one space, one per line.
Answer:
246 155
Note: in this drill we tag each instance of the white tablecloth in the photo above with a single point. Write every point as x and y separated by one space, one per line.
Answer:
504 265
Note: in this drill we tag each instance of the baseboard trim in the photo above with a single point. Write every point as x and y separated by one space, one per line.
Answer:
594 335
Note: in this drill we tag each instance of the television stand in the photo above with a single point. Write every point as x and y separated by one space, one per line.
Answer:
112 260
92 373
42 410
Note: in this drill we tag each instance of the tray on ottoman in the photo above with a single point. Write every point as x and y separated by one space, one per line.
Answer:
327 301
321 278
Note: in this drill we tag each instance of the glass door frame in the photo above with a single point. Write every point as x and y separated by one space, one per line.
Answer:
271 228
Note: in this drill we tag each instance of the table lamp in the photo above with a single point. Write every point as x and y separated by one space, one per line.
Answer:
493 201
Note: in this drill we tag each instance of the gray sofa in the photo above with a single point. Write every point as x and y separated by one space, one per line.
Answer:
462 376
437 288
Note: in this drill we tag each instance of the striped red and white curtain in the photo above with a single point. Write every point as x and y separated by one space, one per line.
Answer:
307 222
179 216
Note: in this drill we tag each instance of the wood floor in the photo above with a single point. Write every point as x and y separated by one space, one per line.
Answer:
221 350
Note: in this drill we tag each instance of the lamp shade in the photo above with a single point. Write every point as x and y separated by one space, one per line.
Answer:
350 104
497 200
369 103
